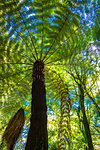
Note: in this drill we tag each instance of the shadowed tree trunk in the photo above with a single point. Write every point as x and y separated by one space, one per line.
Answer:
85 121
37 136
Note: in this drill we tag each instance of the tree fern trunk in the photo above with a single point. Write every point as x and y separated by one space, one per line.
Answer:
37 136
85 121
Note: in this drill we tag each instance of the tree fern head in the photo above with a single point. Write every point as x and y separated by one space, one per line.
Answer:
40 26
32 31
38 30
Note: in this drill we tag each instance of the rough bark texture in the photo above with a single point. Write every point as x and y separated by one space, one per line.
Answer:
85 121
14 128
38 137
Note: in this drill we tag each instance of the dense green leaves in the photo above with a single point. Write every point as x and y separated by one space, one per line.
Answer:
59 33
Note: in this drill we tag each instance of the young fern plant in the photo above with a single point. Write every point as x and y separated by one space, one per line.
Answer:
34 31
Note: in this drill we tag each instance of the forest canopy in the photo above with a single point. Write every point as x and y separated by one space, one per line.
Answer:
49 75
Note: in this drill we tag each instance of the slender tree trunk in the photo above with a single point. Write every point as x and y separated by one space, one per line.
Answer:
85 121
37 136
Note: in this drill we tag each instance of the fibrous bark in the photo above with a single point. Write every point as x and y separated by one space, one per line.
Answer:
37 136
14 128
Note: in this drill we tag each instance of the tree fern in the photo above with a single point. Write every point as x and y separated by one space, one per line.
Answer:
34 31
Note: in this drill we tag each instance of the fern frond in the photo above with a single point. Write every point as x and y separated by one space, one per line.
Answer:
62 93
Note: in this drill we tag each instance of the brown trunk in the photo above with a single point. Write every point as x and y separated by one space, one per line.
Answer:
85 121
37 136
14 128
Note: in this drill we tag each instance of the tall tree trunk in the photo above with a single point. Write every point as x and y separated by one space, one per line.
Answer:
85 121
38 136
